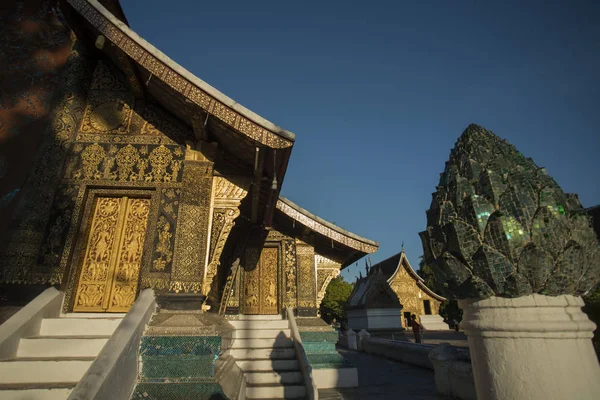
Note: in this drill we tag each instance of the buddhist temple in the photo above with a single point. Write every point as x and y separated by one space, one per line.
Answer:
122 171
389 294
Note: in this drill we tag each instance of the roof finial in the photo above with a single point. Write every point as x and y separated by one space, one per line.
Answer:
403 246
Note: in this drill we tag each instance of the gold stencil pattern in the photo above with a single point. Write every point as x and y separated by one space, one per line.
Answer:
192 227
307 285
290 273
108 280
260 281
223 221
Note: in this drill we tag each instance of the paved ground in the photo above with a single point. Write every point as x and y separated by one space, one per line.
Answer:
382 379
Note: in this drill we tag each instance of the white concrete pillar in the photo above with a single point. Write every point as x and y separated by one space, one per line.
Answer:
532 347
351 335
361 335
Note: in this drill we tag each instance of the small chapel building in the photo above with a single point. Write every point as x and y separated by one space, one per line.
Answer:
389 295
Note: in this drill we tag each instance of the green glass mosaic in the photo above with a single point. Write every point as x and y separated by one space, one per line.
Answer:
331 336
178 391
180 366
176 345
499 225
319 347
320 361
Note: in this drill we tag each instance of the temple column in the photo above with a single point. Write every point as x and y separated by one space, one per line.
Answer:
531 347
307 280
191 238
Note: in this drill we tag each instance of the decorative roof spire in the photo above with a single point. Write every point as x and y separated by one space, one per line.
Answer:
402 247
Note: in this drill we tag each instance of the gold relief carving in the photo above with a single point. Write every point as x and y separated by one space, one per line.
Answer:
91 157
307 284
260 281
199 97
160 159
104 79
192 225
108 116
127 158
164 245
177 81
97 163
109 275
224 113
275 235
227 193
225 219
324 230
290 273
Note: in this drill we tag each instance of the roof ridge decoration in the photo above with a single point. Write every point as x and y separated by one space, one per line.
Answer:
420 281
181 80
325 228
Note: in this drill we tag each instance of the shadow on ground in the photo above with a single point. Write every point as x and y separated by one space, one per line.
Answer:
382 378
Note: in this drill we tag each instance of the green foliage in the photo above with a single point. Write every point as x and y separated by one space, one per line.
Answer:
334 302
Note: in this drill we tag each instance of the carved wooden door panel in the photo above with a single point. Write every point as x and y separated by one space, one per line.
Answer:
109 275
260 281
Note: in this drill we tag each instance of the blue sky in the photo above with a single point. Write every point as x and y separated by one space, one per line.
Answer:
378 92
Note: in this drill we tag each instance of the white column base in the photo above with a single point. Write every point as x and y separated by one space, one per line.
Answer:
530 348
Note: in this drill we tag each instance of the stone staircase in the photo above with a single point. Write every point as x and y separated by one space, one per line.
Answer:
265 352
49 365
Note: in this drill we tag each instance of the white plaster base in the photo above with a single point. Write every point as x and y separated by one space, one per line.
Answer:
328 378
530 348
375 318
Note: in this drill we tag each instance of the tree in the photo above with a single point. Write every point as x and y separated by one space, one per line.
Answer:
334 302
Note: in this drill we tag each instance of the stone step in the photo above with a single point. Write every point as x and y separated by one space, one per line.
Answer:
256 324
272 378
261 333
265 354
41 373
79 327
262 343
258 317
268 365
60 348
35 394
94 315
275 392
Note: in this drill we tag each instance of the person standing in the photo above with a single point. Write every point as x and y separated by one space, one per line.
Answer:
417 329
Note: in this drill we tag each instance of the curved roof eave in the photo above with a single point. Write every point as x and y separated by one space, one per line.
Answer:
326 228
193 88
420 281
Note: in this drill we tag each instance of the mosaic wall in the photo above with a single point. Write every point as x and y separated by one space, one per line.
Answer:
178 367
500 225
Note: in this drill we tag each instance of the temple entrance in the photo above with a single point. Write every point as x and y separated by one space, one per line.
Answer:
260 281
113 253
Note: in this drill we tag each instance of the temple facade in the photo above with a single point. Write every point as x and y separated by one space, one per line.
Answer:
122 171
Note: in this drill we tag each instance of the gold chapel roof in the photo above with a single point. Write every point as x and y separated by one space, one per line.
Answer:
391 266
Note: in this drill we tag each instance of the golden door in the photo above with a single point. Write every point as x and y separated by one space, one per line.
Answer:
109 275
260 281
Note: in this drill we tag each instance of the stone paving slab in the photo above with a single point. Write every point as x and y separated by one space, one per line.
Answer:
383 379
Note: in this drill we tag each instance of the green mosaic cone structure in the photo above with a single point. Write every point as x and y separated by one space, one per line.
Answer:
499 225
